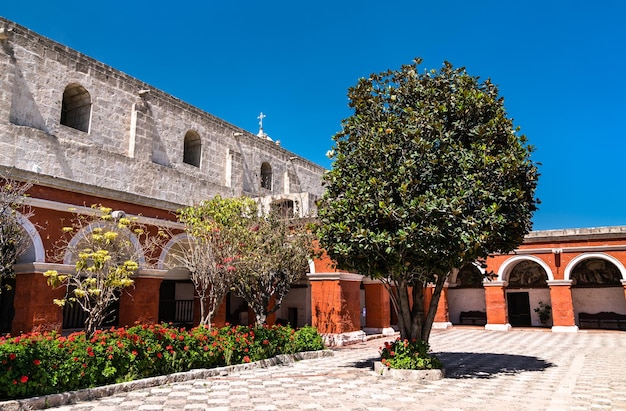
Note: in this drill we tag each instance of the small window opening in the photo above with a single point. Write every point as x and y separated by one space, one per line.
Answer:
76 107
266 176
192 152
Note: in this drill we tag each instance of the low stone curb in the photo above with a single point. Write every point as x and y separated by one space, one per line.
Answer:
408 375
89 394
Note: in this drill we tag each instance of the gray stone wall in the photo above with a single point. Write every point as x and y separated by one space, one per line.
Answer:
135 138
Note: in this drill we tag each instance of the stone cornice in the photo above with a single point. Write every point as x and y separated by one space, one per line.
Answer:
576 234
40 268
59 206
87 189
577 249
334 277
559 283
495 283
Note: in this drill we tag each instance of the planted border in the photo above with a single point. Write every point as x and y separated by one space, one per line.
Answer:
39 364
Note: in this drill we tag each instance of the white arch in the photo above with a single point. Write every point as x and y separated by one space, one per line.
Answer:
586 256
179 238
35 238
455 273
508 265
83 233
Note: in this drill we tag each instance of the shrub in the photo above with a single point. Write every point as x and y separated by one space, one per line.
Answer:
305 339
39 364
403 354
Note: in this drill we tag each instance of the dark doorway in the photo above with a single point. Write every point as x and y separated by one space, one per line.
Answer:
7 309
292 313
176 306
519 309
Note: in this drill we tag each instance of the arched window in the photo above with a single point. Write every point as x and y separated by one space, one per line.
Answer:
192 152
76 107
469 277
266 176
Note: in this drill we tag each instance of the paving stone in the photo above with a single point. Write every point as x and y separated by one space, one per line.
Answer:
517 370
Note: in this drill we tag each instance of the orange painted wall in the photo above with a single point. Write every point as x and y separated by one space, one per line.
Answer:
336 306
442 315
377 306
496 305
142 305
562 308
34 307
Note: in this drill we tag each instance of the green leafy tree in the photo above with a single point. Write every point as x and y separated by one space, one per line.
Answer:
215 229
274 255
13 242
104 259
429 173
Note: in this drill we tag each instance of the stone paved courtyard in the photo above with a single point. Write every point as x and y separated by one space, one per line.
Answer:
529 369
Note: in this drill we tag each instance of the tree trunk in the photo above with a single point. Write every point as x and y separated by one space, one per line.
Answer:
432 309
414 323
203 319
260 319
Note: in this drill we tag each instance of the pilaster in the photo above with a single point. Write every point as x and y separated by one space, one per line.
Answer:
563 319
377 308
141 304
495 301
335 305
34 307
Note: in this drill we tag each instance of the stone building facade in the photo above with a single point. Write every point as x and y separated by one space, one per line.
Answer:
85 133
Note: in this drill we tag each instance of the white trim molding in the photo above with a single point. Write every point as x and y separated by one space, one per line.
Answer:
568 270
508 265
335 276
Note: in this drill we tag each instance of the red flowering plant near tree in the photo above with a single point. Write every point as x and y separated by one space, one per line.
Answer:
403 354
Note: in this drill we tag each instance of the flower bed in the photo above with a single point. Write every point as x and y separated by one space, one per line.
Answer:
38 364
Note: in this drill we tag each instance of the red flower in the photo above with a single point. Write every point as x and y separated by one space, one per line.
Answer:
24 379
36 362
14 382
246 359
159 355
12 356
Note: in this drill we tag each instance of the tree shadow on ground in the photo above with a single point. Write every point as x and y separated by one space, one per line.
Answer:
461 365
488 365
365 363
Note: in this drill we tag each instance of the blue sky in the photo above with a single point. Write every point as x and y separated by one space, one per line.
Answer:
560 66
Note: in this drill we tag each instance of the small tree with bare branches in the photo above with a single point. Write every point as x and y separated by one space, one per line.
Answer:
212 250
274 255
13 241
